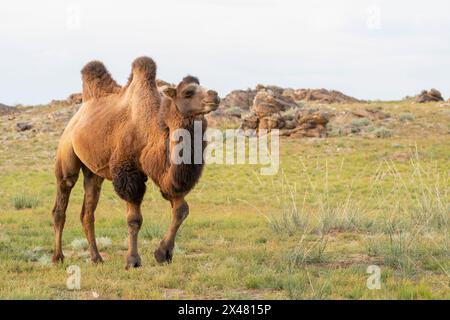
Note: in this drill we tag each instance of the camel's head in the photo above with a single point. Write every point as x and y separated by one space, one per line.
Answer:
192 99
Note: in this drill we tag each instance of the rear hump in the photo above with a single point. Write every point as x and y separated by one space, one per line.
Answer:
97 81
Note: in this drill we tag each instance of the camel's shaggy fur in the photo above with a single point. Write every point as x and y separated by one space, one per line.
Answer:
123 134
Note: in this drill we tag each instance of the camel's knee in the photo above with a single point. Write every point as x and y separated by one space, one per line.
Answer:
182 211
129 184
135 222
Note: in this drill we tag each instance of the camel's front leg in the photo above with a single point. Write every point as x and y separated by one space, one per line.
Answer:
134 221
129 184
180 211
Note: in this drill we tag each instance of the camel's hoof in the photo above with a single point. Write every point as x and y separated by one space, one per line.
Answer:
97 259
58 257
163 255
133 262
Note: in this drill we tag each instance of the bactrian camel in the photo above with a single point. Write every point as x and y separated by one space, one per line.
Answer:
123 134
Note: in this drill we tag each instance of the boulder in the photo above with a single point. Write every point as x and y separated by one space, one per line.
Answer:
24 126
242 99
75 98
266 104
6 110
372 113
323 96
429 96
250 121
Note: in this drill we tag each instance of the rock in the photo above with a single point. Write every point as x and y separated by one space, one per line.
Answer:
75 98
250 121
274 121
429 96
313 120
372 113
290 124
266 104
24 126
7 110
273 90
242 99
323 96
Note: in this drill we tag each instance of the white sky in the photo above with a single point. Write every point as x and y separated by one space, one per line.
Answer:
368 49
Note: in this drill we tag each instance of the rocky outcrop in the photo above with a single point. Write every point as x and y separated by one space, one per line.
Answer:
241 99
267 103
371 113
321 95
5 110
429 96
272 110
73 99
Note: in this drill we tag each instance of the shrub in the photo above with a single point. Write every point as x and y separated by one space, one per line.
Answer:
382 132
363 122
152 231
25 202
406 117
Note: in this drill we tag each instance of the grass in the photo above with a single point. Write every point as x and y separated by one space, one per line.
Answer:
337 206
25 202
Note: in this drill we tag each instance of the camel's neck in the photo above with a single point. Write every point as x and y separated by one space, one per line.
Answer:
182 152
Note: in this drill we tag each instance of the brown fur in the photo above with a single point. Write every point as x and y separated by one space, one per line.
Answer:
97 82
123 135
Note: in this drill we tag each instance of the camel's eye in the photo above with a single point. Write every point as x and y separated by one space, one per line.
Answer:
189 93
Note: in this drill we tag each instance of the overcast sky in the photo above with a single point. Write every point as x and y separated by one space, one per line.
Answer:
368 49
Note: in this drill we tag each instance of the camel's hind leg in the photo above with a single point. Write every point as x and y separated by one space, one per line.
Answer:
92 188
66 170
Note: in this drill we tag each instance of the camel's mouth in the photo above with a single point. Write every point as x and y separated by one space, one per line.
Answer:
209 106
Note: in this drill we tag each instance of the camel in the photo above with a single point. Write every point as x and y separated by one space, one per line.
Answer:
124 134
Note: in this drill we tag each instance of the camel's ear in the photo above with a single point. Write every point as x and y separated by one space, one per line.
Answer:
170 92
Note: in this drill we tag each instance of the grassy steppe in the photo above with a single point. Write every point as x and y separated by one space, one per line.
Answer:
336 206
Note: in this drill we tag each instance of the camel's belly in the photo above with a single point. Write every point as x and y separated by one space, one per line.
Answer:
94 155
97 165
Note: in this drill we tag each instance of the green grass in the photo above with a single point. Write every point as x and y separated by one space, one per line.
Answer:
25 202
336 206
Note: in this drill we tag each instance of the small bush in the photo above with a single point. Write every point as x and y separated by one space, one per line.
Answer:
103 243
308 252
82 244
382 132
406 117
25 202
290 112
363 122
152 231
335 131
79 244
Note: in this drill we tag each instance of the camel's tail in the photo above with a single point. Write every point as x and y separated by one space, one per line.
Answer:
97 82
